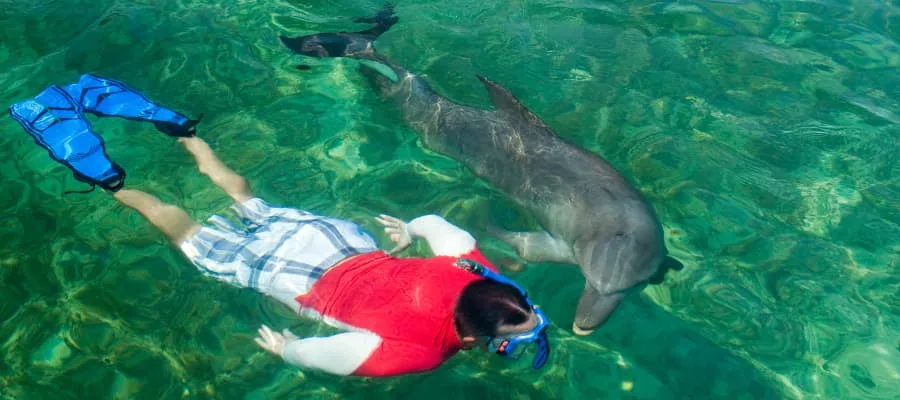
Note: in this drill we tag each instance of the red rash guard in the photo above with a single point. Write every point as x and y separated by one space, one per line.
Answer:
408 302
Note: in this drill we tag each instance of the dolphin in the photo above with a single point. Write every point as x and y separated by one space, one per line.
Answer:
590 214
344 44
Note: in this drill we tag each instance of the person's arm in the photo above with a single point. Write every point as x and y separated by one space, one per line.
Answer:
340 354
444 238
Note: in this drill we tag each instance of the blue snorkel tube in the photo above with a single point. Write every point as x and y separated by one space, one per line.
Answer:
513 346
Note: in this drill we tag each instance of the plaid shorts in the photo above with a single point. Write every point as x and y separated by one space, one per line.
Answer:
280 252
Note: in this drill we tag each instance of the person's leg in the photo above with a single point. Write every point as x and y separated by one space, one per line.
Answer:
233 184
176 224
215 252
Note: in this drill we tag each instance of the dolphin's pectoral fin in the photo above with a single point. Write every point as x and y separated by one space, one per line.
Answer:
594 308
536 246
504 101
668 264
657 278
672 264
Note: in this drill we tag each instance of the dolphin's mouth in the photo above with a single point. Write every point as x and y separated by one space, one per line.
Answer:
582 332
382 69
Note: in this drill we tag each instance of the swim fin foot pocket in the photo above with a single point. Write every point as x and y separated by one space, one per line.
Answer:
186 129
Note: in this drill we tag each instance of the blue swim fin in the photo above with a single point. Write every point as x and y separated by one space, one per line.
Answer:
56 123
110 98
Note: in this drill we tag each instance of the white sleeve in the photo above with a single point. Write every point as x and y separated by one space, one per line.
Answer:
444 238
339 354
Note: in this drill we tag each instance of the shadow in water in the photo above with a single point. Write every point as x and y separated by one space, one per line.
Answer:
680 356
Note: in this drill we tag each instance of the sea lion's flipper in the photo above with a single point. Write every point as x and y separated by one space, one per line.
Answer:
343 44
536 246
386 15
383 21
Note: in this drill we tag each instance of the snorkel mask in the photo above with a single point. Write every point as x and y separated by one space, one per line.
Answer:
513 346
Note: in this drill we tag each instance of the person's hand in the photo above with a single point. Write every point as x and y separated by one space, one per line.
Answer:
274 342
396 231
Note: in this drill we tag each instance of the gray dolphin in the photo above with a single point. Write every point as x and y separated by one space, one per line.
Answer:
591 214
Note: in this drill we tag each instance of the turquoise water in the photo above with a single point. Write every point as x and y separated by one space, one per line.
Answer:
765 134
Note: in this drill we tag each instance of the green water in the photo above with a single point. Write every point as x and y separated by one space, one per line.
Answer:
765 134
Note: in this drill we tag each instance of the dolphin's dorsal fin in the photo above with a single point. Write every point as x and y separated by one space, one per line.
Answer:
504 101
672 264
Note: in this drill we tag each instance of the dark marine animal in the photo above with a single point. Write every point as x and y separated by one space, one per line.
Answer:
344 44
591 215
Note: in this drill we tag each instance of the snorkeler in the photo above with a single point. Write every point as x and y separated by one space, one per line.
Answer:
401 315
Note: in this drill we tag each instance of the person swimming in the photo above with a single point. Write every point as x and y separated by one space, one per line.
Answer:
402 315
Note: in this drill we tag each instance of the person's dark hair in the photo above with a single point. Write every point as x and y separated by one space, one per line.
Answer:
484 305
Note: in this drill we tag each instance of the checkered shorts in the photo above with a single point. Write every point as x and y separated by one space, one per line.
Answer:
278 251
